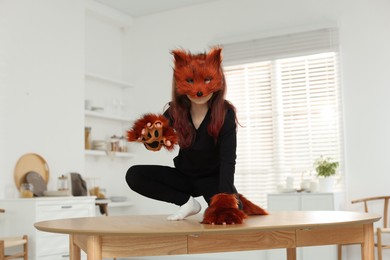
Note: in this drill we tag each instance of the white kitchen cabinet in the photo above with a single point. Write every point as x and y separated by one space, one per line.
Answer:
306 201
21 214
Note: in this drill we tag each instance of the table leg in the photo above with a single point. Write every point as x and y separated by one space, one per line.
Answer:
368 244
74 250
339 252
291 253
94 248
2 251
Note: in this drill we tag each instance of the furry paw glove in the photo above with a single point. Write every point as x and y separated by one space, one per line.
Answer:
224 209
154 132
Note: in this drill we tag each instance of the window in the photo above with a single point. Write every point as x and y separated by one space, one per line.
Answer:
290 113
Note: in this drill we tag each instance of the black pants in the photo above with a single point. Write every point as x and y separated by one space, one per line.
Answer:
170 185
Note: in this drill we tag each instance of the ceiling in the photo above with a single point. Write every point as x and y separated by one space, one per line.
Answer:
137 8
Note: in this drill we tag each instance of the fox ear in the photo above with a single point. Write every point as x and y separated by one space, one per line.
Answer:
180 57
215 56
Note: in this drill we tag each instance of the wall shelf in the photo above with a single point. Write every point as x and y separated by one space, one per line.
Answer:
126 203
104 115
108 154
120 83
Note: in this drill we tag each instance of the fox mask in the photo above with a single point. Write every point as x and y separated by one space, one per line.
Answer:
197 75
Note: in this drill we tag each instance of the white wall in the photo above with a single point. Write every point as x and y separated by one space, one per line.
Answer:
42 77
366 58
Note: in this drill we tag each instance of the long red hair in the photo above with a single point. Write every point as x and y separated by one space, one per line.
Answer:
189 70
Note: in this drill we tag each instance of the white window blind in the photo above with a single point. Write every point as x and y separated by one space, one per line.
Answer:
281 46
289 109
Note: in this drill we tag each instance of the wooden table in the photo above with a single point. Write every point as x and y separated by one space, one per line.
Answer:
137 235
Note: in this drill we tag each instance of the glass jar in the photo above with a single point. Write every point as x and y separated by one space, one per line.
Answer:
122 144
62 183
26 190
87 137
114 140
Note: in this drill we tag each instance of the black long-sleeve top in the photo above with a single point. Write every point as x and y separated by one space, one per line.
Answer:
205 157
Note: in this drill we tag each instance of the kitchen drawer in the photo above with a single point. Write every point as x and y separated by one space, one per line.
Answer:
63 256
317 202
283 202
64 210
51 243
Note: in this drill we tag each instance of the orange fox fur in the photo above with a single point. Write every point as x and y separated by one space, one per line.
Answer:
205 79
224 209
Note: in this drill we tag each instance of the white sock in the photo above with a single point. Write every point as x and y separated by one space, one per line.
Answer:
192 207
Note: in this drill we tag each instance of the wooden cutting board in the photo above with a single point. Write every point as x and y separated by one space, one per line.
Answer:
30 162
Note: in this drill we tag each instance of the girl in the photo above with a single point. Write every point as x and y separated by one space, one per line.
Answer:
204 124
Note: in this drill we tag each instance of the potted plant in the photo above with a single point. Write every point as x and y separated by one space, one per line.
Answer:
326 169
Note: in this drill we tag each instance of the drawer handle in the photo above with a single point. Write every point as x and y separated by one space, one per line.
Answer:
66 207
65 255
